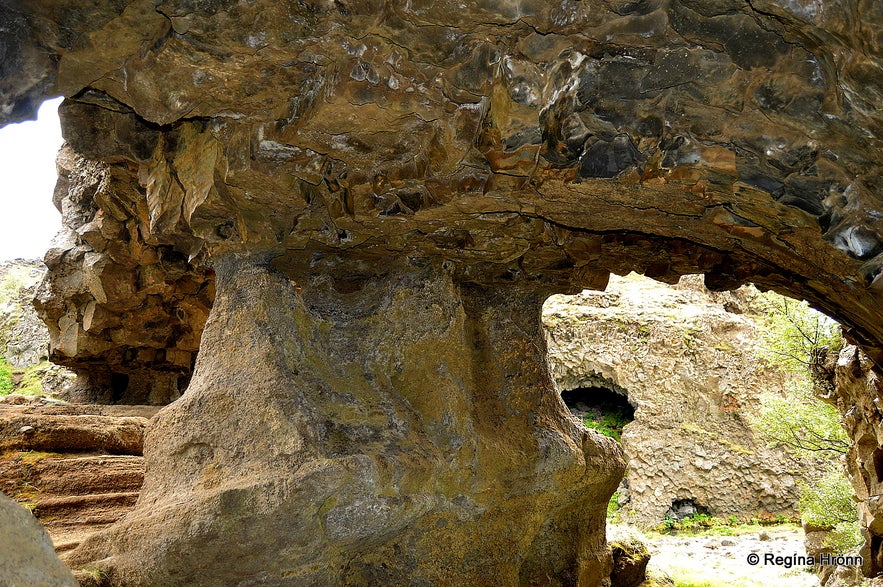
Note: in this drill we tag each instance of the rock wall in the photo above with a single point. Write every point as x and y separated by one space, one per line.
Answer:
691 371
857 392
514 148
348 447
124 311
24 340
22 334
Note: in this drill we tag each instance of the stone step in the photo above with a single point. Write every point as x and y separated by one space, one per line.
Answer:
78 467
78 475
41 405
66 433
101 508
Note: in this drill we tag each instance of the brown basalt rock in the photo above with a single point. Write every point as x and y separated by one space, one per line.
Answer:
504 151
123 314
58 465
71 433
857 392
346 449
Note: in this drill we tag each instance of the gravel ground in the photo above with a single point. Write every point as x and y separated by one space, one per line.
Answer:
724 560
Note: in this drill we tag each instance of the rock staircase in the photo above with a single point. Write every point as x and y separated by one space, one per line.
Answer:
79 468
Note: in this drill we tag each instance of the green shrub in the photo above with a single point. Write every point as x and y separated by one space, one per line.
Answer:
846 537
5 377
828 502
800 422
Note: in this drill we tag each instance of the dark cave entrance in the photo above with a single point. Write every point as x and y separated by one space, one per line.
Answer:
119 385
601 408
685 508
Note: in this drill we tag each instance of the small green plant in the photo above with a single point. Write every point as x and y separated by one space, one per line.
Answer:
613 508
5 377
97 574
608 423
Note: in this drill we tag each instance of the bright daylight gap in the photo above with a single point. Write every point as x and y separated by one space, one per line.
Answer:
29 220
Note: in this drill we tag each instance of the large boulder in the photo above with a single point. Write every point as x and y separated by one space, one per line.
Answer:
27 557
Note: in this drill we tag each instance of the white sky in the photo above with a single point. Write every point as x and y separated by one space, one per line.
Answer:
28 220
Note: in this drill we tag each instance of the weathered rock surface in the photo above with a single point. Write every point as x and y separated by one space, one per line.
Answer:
350 446
515 148
857 392
692 372
123 313
630 557
27 556
22 334
664 137
77 468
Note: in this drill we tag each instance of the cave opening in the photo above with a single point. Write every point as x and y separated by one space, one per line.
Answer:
685 508
119 384
601 408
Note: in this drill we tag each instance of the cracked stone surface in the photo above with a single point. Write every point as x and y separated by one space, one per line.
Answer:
694 374
523 145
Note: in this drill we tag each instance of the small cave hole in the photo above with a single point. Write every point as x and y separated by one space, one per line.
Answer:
682 509
119 384
876 555
600 408
878 464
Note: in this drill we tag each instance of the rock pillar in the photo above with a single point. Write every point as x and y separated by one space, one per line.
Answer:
394 427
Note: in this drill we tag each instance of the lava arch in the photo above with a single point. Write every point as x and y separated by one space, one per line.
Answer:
332 162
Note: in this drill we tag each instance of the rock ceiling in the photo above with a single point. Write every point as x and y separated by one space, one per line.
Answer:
549 142
340 161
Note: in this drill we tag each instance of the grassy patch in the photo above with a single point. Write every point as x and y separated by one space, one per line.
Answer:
704 524
27 381
607 424
31 382
5 377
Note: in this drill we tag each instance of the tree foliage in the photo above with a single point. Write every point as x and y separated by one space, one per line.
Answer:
801 423
794 336
794 333
795 339
829 503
